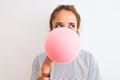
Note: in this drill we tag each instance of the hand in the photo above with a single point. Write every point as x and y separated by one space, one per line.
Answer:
44 73
43 78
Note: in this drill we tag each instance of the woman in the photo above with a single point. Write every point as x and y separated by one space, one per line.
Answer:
84 67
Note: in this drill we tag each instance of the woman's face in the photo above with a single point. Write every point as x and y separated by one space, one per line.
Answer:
65 19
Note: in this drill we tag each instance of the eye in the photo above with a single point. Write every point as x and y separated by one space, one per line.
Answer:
58 25
71 25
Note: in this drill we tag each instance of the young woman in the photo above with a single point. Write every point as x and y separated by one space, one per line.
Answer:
84 67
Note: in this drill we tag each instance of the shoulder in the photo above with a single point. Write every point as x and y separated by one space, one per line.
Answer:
89 60
40 57
86 58
85 54
38 60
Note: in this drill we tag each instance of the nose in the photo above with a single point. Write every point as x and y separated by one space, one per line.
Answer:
66 25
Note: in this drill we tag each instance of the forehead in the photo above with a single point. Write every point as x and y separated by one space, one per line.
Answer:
65 16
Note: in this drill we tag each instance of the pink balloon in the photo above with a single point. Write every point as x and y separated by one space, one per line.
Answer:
62 45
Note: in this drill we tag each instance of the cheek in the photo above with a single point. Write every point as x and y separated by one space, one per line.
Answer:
75 29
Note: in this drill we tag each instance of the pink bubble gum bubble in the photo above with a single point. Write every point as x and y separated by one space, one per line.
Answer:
62 45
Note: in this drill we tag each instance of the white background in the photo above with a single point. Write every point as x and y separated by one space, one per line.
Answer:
24 26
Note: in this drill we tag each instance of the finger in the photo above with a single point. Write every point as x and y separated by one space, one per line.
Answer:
42 74
43 78
48 61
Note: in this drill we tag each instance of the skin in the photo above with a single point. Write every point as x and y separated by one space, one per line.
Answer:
63 19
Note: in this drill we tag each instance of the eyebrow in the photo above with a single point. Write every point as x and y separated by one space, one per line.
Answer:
71 23
58 23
